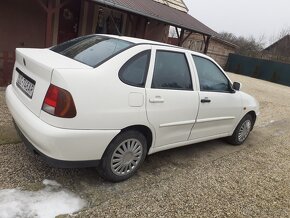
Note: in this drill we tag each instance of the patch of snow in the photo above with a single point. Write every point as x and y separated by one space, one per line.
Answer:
52 183
49 202
264 124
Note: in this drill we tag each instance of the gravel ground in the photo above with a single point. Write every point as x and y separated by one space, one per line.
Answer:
211 179
7 133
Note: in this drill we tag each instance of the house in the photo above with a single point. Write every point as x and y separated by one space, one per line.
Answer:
217 48
43 23
280 48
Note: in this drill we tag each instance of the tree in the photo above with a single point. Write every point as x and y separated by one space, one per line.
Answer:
275 37
246 46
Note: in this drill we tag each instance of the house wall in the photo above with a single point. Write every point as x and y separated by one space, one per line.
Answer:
133 25
280 48
217 49
220 52
22 24
157 31
141 27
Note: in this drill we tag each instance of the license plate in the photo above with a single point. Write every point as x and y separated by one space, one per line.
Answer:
25 83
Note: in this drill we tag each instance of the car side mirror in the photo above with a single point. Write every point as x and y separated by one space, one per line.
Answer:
237 86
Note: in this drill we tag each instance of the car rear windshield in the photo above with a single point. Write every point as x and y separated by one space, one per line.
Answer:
91 50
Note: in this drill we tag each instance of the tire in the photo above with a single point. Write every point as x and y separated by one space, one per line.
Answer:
242 131
123 157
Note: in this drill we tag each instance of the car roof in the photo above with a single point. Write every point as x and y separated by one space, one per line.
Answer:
134 40
145 41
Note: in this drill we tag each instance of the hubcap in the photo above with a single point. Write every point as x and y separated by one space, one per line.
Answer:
244 130
126 157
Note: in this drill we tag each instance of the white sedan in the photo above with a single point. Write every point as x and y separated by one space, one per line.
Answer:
108 101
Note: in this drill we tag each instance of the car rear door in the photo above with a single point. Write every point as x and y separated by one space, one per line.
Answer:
220 107
172 99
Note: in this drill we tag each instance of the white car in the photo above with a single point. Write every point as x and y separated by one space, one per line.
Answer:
108 101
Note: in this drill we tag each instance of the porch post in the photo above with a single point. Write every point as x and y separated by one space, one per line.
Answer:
180 41
50 11
206 44
48 35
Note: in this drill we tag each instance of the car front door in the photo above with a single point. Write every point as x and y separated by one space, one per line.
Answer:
172 102
220 107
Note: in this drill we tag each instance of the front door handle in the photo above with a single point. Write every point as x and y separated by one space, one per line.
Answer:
205 100
157 99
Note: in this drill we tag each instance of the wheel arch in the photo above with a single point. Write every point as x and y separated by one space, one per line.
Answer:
145 130
254 117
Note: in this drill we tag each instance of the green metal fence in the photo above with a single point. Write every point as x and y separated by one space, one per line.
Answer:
258 68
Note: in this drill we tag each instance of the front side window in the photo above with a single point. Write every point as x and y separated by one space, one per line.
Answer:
91 50
134 71
211 78
171 71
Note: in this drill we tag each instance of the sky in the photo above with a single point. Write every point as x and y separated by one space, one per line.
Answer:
243 17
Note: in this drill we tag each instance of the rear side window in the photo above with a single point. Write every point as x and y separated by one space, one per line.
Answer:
134 71
171 71
91 50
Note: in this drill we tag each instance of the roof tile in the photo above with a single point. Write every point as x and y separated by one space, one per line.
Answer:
161 12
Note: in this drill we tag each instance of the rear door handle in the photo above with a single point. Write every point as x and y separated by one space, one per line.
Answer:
205 100
157 99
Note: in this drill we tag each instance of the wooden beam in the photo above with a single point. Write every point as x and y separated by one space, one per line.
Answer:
206 44
40 2
55 25
186 38
181 37
130 25
48 36
84 18
177 33
62 4
145 28
136 25
115 25
50 11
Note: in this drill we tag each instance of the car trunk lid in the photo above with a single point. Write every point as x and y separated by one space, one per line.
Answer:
33 72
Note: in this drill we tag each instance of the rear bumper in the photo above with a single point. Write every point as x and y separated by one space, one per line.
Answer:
54 162
60 147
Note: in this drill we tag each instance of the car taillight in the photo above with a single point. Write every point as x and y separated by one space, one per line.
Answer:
59 102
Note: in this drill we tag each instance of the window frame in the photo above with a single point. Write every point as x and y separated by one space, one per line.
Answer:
188 66
132 59
230 90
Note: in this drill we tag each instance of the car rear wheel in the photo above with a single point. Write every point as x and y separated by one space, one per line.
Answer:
242 131
123 156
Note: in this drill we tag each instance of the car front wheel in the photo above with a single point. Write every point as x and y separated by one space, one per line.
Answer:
123 156
242 131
